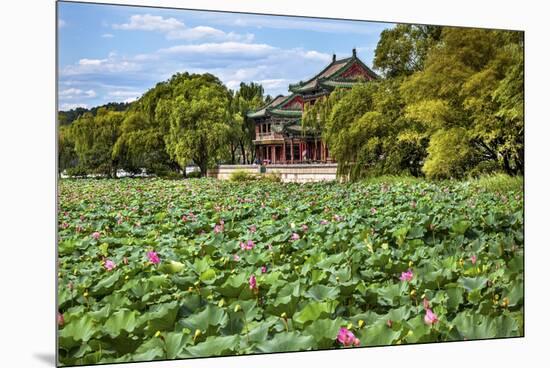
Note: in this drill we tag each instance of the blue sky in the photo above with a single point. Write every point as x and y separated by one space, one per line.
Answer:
110 53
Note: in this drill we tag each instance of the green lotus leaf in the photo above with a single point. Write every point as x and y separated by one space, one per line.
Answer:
324 331
80 328
213 346
172 267
323 292
474 326
121 320
286 341
210 316
314 311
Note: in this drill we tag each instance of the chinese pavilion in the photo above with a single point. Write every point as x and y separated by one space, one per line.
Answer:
279 135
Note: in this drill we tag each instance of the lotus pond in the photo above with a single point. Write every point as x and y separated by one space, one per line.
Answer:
166 269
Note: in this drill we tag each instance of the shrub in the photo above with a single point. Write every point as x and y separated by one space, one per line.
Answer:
272 177
194 174
499 183
241 175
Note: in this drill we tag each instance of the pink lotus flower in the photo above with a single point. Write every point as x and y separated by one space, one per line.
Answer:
236 257
96 235
184 218
153 257
389 323
294 237
373 211
252 283
252 228
125 260
218 229
264 269
324 222
347 338
270 247
473 258
337 218
248 246
79 228
406 276
64 225
413 204
430 318
109 265
305 228
60 319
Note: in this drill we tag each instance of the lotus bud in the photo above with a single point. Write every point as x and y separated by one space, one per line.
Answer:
237 308
157 334
197 333
283 315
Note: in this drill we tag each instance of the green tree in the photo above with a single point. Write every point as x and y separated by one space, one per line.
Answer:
67 157
402 50
94 139
199 121
141 145
472 84
248 97
367 132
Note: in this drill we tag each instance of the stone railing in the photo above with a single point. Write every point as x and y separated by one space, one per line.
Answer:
296 173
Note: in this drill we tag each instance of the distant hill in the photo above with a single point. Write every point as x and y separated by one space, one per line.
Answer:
67 117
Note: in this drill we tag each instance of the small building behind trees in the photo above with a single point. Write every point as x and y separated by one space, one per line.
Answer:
280 136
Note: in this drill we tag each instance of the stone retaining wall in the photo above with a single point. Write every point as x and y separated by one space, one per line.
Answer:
297 173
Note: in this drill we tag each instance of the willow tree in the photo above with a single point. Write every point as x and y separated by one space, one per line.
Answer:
199 121
469 98
94 138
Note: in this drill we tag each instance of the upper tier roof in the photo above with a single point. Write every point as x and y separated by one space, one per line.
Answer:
339 73
327 77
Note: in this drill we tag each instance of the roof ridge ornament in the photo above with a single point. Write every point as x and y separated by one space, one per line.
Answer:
333 58
354 52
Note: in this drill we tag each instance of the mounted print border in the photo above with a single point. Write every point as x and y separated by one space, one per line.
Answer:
236 184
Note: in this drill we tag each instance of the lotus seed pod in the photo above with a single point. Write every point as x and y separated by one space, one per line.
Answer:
283 315
197 333
361 323
237 308
157 334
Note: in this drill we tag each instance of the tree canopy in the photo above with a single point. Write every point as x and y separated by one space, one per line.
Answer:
188 119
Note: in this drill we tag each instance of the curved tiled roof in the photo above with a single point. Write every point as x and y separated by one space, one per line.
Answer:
333 75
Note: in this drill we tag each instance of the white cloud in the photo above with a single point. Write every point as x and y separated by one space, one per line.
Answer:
119 93
316 25
85 62
148 22
71 93
270 84
71 106
222 48
176 30
107 35
112 64
205 32
61 23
